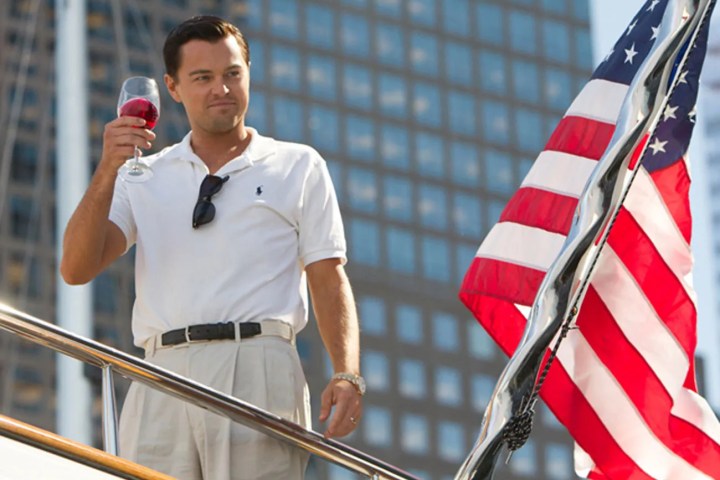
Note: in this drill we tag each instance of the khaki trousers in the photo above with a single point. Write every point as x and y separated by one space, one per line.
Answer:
190 443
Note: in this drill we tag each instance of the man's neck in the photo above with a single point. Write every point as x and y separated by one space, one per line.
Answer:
215 150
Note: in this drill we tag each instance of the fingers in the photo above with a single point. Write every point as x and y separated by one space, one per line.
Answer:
122 136
347 405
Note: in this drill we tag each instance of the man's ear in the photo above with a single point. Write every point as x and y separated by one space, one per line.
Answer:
171 85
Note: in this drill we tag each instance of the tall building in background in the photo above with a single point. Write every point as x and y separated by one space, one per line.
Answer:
428 112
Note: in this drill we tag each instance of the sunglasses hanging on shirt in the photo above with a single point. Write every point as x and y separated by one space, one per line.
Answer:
204 210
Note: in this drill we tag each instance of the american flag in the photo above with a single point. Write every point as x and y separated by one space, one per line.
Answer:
623 383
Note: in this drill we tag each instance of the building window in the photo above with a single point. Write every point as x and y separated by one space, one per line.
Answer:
465 164
411 378
372 315
336 175
319 26
394 149
377 426
556 41
401 250
481 387
499 172
526 81
320 74
355 35
496 122
530 135
429 150
494 78
495 209
581 8
422 11
323 124
445 332
490 23
23 221
362 190
458 63
461 113
389 8
448 386
432 207
558 462
464 255
414 430
522 32
289 119
480 344
558 88
409 324
424 53
257 112
398 198
456 18
436 259
257 60
555 6
285 68
105 293
357 87
391 95
583 49
524 461
376 371
365 238
467 216
389 45
451 441
360 138
283 18
426 105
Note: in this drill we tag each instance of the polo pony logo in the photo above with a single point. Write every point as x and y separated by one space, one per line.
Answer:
259 190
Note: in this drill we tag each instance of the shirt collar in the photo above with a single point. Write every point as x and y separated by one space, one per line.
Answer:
259 148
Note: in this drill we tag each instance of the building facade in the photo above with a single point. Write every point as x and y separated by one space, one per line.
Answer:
428 112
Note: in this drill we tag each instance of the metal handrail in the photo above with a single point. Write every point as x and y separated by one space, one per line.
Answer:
106 358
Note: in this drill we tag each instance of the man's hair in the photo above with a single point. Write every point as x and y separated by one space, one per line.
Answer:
204 27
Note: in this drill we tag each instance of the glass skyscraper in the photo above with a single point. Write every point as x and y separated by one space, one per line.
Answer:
428 112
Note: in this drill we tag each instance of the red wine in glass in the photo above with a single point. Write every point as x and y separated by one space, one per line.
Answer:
142 108
139 97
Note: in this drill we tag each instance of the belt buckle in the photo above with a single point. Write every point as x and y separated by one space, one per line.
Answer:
188 339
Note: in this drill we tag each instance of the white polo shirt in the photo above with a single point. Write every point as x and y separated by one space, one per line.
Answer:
276 213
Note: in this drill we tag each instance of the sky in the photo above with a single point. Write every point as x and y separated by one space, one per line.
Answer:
609 18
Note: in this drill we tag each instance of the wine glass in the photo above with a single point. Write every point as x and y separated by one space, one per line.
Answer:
139 97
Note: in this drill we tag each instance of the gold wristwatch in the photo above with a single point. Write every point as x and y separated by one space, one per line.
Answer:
357 381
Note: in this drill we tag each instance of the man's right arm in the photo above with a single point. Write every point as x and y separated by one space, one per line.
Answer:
91 241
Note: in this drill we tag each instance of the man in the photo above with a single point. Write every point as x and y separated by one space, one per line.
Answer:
227 231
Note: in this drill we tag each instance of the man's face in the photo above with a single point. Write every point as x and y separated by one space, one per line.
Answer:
213 84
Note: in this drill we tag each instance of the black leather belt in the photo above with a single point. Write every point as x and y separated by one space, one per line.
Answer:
210 331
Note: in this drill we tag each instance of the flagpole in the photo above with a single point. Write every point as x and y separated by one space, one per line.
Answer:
508 416
74 304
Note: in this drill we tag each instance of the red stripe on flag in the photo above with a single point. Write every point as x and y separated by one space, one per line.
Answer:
541 209
673 184
572 409
502 280
643 388
581 136
662 288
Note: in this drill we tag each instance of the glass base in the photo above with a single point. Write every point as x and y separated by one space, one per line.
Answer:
135 172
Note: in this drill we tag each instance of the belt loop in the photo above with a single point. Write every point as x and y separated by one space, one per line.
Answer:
292 334
187 334
238 337
150 346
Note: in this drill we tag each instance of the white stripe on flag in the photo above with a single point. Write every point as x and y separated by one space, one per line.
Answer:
509 242
640 323
600 100
649 210
619 415
543 174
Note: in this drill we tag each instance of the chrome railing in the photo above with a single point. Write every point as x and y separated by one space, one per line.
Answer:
111 360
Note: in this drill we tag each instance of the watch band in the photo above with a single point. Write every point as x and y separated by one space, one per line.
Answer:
357 381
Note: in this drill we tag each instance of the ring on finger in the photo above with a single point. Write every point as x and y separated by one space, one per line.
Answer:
353 420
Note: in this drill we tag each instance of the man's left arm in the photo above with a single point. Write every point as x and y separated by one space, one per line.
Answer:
337 322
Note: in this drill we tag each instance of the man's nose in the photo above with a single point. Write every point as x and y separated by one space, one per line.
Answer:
220 88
